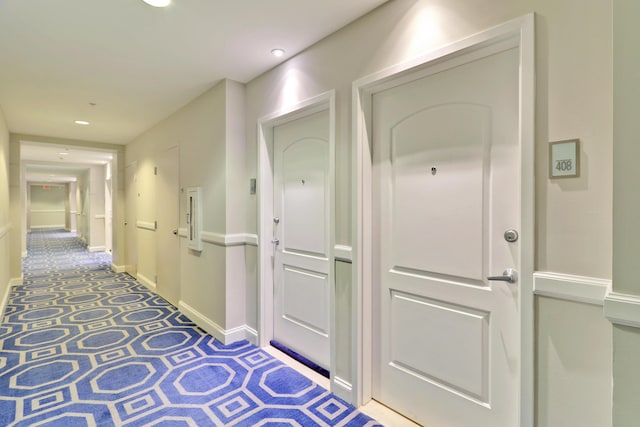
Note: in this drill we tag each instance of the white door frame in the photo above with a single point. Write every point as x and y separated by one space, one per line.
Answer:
516 33
325 101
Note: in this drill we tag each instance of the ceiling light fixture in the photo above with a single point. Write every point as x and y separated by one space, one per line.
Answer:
158 3
277 52
81 122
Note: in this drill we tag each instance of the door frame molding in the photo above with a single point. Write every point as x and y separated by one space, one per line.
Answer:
515 33
324 101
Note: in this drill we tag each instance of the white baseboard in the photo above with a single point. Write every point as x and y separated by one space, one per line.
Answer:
24 254
623 309
5 299
224 336
573 288
343 389
147 282
16 281
118 268
96 248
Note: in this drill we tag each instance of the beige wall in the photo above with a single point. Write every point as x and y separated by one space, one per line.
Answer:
626 232
5 221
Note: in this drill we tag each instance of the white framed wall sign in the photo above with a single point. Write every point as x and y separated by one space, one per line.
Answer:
564 159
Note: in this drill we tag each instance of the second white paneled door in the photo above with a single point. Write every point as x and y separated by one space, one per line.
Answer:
301 236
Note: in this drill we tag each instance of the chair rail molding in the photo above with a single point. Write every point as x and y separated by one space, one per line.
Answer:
219 239
623 309
146 225
583 289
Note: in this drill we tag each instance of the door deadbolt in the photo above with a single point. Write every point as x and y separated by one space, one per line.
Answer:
511 235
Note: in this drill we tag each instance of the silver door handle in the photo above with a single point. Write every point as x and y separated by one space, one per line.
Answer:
509 275
275 241
175 232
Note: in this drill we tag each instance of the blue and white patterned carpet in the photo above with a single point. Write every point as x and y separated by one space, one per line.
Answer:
83 346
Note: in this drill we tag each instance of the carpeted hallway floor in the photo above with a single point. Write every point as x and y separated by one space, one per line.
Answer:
83 346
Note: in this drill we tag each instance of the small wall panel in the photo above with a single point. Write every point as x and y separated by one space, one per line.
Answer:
447 345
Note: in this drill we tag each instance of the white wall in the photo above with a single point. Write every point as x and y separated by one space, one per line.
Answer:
47 205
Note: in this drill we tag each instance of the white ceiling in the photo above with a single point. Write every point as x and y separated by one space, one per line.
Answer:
136 63
139 64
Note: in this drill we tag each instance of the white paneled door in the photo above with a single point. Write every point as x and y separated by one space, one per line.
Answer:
446 189
168 211
301 236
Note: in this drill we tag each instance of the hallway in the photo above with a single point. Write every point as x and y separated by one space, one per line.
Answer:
83 346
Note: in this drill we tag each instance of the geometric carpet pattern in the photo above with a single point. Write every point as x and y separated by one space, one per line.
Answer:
84 346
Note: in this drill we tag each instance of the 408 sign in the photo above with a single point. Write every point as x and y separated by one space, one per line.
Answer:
564 159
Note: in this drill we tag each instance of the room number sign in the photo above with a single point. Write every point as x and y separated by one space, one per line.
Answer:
564 159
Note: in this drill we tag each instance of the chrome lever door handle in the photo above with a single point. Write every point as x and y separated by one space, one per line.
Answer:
509 275
275 241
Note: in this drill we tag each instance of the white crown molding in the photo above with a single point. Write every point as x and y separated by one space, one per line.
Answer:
146 225
622 309
343 253
573 288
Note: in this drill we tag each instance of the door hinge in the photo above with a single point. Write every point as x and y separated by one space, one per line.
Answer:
155 170
155 224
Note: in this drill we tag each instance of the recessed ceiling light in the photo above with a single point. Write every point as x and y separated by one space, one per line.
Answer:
81 122
277 52
158 3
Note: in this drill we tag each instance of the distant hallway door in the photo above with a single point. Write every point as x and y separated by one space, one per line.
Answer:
302 230
167 209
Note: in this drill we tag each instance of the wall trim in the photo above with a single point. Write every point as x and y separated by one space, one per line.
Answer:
16 281
5 298
24 254
341 388
100 216
228 336
583 289
146 281
96 248
4 230
118 268
219 239
54 226
343 253
146 225
48 211
622 309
